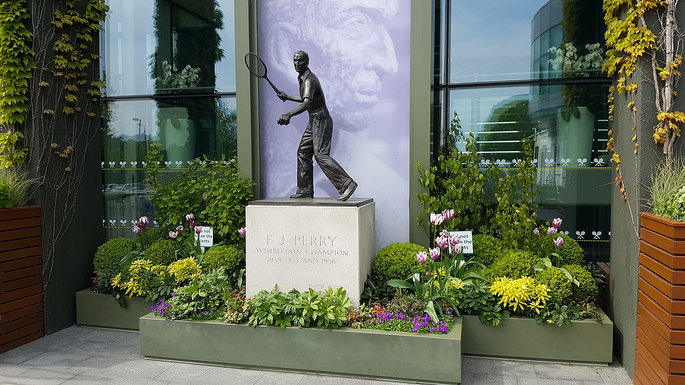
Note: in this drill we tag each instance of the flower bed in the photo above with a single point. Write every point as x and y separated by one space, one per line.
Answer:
519 337
94 309
358 352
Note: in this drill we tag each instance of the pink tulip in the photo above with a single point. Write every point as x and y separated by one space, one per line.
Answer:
536 232
198 229
190 217
242 231
434 253
556 223
448 214
173 234
559 242
445 234
179 228
457 249
551 231
454 240
136 230
422 257
442 242
143 222
436 219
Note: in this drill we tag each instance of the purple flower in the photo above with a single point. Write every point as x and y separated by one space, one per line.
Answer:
190 217
456 249
242 231
536 232
173 234
559 242
436 219
556 223
136 230
442 242
198 229
143 222
422 257
551 231
454 240
179 228
448 214
434 253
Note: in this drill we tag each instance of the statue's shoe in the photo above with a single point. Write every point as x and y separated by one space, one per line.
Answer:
302 195
348 191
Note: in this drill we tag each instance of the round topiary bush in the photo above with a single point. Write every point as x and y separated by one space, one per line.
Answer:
588 286
108 256
395 261
486 249
513 264
163 252
570 252
230 257
558 284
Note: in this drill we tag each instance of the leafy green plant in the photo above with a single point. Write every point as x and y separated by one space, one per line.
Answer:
164 251
109 255
404 323
16 66
487 248
230 257
204 297
587 286
557 283
559 248
14 185
380 293
406 304
476 299
155 282
666 189
521 296
560 315
328 309
267 308
213 190
395 261
513 264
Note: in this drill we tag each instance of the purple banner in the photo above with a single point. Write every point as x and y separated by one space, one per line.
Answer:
359 49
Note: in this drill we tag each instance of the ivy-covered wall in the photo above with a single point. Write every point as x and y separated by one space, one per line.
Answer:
63 136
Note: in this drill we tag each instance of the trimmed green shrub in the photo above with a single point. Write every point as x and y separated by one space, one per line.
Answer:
486 249
108 256
558 284
230 257
395 261
163 252
588 286
570 253
513 264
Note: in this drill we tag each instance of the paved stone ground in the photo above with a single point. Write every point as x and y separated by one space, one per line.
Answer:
92 356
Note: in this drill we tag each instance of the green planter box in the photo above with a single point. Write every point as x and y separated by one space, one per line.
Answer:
95 309
367 353
585 341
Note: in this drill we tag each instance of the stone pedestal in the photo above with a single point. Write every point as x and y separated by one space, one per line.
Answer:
309 243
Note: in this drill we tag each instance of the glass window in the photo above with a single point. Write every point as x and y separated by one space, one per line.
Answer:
165 46
502 40
185 128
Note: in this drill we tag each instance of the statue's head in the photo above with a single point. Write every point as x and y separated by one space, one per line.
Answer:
301 61
349 42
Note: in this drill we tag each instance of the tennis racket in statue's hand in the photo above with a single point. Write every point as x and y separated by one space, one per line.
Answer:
257 68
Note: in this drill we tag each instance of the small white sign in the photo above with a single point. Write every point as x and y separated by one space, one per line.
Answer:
465 240
206 236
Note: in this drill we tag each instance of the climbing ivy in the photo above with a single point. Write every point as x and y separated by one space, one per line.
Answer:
16 65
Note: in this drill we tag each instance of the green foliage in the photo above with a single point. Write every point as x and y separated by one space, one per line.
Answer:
570 253
380 293
455 182
150 235
665 191
486 249
514 264
6 200
557 283
143 279
406 304
230 257
395 261
328 309
476 299
203 298
587 288
522 295
109 255
16 66
515 216
562 315
164 251
403 323
212 190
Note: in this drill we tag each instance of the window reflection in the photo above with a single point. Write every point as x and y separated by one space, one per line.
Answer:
169 46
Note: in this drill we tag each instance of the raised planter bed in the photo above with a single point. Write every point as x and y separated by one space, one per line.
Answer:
660 346
95 309
517 337
368 353
21 281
